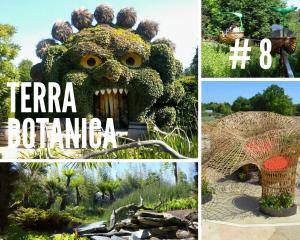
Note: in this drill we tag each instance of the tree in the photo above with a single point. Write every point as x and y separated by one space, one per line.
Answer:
297 106
224 108
68 173
152 178
257 16
112 186
29 179
53 188
182 177
76 183
102 188
194 65
175 172
275 100
24 70
8 73
241 104
109 186
8 175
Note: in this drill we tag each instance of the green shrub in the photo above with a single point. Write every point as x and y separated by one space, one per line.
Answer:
68 237
14 232
205 189
284 200
38 219
216 63
162 60
242 176
165 117
181 203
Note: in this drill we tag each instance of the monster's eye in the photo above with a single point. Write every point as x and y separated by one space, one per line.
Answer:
90 61
132 60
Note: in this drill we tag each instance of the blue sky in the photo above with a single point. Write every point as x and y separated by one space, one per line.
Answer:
34 19
217 91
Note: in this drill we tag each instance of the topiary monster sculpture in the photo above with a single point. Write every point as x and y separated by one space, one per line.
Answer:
116 71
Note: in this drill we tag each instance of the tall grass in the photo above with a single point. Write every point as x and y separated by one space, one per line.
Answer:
216 63
180 143
150 195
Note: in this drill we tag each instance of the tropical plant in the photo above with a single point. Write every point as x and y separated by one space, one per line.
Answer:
54 188
68 173
76 183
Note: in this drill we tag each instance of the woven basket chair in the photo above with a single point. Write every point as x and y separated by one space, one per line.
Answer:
242 138
230 37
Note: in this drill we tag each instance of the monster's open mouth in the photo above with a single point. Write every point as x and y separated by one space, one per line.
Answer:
112 103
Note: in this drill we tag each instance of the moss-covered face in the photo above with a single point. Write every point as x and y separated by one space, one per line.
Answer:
116 73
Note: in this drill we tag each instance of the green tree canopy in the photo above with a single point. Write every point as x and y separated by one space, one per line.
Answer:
24 70
275 100
241 104
8 73
257 19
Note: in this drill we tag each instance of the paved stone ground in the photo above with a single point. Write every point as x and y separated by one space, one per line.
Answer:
237 202
234 213
212 231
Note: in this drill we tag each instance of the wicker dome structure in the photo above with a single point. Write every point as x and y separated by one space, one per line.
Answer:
268 140
248 137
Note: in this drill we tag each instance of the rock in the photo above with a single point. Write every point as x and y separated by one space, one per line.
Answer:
193 227
193 216
151 222
149 214
162 231
100 238
91 228
141 234
127 225
168 220
183 234
116 238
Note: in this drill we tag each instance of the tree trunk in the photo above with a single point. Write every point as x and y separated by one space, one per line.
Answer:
196 176
26 203
63 203
64 200
195 190
78 196
111 195
51 201
175 172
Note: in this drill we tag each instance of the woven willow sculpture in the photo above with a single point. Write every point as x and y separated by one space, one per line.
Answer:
268 140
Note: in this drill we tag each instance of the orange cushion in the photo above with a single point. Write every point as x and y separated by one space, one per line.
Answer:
276 163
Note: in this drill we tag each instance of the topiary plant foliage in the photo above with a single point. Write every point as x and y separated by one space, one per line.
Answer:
116 71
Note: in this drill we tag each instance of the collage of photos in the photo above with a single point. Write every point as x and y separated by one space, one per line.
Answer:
250 119
99 121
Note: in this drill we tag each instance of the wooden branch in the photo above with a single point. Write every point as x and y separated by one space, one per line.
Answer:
162 145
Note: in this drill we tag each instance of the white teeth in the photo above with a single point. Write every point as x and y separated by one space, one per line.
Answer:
114 90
